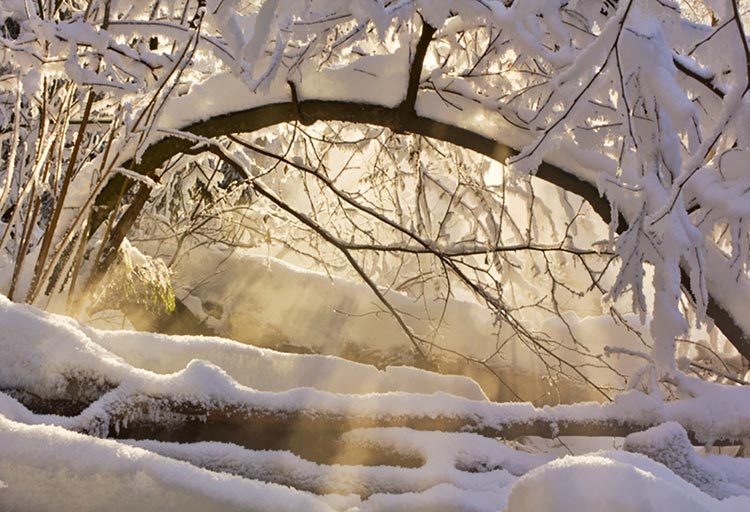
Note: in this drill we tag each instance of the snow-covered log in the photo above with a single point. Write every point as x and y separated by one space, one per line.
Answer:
202 403
123 384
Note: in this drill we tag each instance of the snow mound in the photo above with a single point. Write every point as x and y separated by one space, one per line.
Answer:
464 462
165 383
606 481
43 351
668 443
47 468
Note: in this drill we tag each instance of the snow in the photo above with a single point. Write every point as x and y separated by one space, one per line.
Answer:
664 167
668 443
266 300
604 481
149 475
47 468
40 351
446 457
221 93
735 470
267 370
383 76
247 58
50 463
43 350
441 498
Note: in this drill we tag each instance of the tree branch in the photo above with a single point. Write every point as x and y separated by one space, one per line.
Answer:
248 121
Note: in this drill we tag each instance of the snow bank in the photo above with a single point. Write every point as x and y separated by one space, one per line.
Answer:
46 465
467 462
42 351
606 481
266 301
47 468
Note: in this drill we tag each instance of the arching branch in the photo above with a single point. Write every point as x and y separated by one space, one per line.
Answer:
404 118
255 119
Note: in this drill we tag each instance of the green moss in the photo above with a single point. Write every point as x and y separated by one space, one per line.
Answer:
146 285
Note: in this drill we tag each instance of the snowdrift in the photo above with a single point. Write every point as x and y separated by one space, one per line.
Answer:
128 397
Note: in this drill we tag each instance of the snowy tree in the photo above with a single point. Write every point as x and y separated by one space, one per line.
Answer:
533 189
112 99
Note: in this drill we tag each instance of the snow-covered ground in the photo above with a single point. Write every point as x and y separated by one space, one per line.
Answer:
82 462
268 301
271 302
